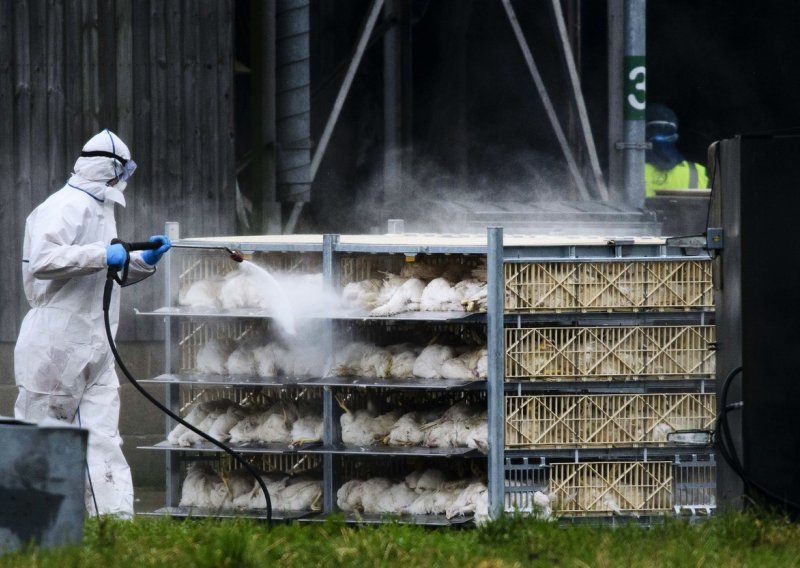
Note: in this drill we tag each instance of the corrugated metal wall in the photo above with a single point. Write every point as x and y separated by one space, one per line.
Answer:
158 73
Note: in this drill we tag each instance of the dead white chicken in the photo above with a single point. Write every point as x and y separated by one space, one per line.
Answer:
444 432
440 296
202 487
466 366
433 502
348 496
347 361
214 409
376 362
221 428
307 429
201 294
403 357
472 499
428 364
213 356
355 428
301 494
429 479
362 295
405 299
364 427
197 413
241 289
277 423
474 433
359 496
241 361
441 434
371 492
474 295
269 360
275 482
407 430
246 430
396 499
239 484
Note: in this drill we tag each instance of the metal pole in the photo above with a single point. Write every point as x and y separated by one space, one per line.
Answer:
263 124
548 105
634 103
172 230
616 31
330 429
496 372
580 104
396 98
375 11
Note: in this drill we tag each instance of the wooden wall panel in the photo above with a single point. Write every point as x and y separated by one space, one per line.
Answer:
159 74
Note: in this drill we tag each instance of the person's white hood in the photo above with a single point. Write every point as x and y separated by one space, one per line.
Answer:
92 173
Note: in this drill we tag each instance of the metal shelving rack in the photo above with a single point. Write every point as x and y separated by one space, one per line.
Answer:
502 463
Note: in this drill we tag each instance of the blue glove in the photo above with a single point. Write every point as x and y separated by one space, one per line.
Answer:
116 255
151 257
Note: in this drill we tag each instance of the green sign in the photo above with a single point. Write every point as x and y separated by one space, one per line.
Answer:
635 74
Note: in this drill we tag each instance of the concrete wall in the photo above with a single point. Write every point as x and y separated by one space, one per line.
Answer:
141 423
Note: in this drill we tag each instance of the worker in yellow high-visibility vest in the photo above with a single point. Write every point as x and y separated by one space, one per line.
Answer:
665 166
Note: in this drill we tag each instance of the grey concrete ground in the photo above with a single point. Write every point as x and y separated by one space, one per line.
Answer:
140 422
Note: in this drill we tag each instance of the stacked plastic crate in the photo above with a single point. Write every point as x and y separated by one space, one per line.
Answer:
606 358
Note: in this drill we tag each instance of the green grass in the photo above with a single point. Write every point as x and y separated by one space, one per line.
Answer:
731 541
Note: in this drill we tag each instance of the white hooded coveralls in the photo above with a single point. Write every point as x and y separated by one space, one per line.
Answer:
63 365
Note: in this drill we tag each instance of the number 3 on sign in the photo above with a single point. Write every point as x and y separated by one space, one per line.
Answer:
637 78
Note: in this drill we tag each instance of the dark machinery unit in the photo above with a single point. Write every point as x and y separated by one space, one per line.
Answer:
756 200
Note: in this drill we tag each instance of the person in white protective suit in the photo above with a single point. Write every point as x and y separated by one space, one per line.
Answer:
63 365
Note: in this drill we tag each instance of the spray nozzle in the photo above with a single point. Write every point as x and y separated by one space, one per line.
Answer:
236 255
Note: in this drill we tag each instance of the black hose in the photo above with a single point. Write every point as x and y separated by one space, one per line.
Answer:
106 303
727 449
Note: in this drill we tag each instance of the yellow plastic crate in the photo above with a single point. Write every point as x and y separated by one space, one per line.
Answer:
608 488
608 286
573 353
603 420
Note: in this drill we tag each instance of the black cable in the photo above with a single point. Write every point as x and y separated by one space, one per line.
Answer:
110 278
727 449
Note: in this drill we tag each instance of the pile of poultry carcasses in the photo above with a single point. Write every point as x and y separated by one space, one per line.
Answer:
300 422
356 358
206 488
417 287
278 422
420 287
455 426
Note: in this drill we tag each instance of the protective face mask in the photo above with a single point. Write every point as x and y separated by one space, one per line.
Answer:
128 168
121 185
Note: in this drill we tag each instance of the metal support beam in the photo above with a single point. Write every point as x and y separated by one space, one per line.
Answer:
363 41
396 98
580 103
616 27
548 105
634 104
330 429
262 125
495 394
